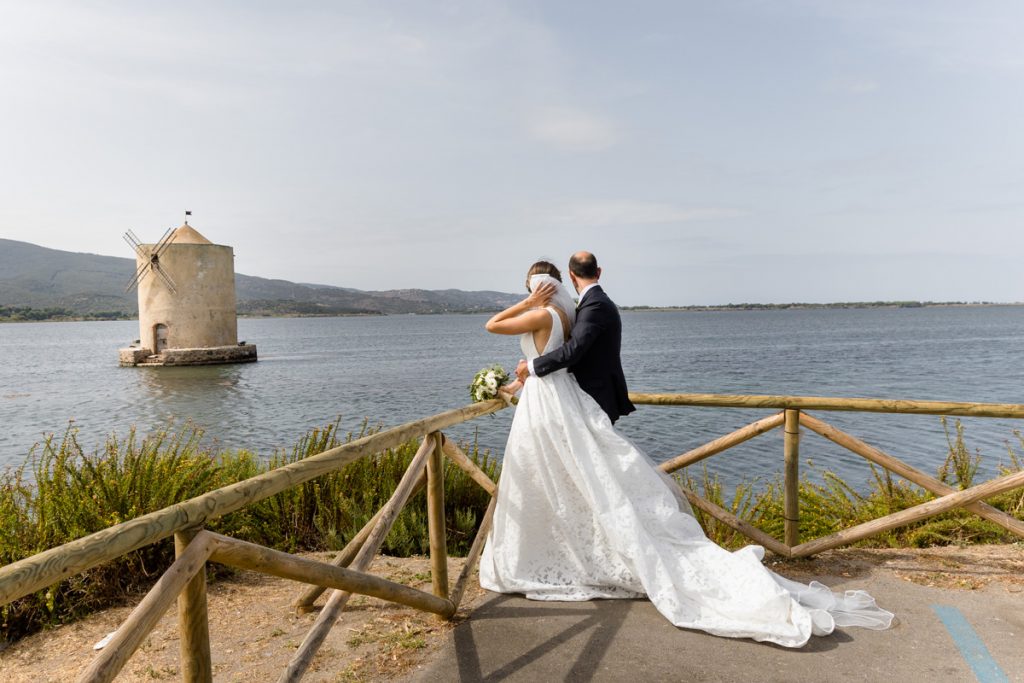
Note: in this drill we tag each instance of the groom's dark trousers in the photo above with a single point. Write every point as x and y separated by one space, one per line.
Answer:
592 354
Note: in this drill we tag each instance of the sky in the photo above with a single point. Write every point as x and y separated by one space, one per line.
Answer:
707 152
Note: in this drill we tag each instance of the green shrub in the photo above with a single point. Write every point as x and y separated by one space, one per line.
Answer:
62 493
829 504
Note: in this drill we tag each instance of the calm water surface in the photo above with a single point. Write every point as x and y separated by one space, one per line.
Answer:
397 368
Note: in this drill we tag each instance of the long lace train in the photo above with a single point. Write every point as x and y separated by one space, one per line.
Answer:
582 513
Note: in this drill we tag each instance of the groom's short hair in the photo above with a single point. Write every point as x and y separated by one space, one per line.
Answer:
583 264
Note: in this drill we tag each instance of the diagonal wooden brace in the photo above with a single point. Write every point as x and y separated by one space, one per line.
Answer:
909 473
148 612
911 515
723 443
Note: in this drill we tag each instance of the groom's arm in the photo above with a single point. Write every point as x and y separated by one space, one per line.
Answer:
585 332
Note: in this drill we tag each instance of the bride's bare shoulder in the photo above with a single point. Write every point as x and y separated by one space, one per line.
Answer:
532 320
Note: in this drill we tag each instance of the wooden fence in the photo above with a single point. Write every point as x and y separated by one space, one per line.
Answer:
185 580
347 573
792 417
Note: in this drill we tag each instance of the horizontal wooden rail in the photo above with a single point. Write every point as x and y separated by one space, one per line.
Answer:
185 519
863 405
245 555
793 407
50 566
896 466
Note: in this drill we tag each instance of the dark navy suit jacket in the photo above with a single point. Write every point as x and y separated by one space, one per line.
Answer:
592 354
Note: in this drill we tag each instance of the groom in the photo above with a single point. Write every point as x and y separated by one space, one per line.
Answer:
592 352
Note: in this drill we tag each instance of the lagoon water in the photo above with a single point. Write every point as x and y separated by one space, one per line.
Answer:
397 368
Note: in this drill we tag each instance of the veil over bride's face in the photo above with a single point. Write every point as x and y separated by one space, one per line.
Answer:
561 298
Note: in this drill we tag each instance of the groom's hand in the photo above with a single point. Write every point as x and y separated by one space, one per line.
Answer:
522 371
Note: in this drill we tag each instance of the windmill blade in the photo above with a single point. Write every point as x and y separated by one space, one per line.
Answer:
135 243
139 274
164 241
166 278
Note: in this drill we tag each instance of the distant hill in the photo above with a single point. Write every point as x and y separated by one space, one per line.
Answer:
87 284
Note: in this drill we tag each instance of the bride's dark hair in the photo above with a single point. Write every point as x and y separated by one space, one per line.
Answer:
542 268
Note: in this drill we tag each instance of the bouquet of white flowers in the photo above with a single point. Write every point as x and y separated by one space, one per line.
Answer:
486 382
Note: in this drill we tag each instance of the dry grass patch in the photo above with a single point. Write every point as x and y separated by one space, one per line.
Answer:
254 632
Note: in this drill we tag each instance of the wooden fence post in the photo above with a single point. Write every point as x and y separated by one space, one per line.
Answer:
791 492
435 518
193 625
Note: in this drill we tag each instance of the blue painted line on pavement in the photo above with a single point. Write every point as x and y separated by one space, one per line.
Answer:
972 649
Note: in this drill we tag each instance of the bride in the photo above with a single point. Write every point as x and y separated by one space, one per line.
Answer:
582 513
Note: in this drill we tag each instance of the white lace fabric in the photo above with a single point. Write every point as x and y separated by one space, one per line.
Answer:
583 513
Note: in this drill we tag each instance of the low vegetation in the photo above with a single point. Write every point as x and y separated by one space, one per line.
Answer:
62 493
829 504
29 314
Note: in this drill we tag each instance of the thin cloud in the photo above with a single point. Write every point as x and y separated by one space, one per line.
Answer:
953 36
570 129
627 212
852 86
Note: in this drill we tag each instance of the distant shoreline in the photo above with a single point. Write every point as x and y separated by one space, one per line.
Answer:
809 306
29 315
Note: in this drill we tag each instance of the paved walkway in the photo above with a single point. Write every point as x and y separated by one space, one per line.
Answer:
941 635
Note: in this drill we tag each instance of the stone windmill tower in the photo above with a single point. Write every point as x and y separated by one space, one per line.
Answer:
186 287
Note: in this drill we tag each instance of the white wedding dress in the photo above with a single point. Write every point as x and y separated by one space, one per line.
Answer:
582 513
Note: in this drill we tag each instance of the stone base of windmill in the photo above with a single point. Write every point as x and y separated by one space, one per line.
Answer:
135 356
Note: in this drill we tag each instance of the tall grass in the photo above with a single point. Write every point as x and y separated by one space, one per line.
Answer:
828 503
62 493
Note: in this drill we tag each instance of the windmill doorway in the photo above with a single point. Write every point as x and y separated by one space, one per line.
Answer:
159 338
